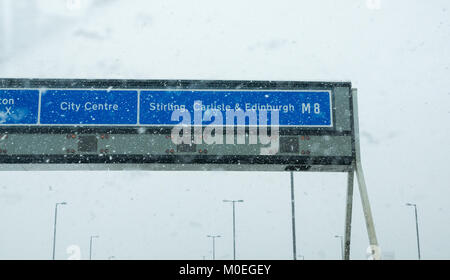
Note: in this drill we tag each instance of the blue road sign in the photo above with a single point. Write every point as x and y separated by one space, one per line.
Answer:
19 106
296 108
157 107
88 107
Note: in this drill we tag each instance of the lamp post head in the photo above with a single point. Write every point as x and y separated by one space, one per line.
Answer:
410 204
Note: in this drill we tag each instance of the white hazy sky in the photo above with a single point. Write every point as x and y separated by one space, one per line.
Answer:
395 52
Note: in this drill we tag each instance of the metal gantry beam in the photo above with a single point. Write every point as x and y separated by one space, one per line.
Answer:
348 214
370 225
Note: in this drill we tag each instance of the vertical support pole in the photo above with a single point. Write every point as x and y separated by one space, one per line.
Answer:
375 251
234 231
214 248
294 242
417 232
90 249
54 231
348 214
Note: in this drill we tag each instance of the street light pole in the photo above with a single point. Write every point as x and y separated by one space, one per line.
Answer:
417 227
54 227
214 244
342 245
90 246
234 225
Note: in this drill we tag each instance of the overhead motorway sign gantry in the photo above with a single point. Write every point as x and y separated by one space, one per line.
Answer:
56 124
127 124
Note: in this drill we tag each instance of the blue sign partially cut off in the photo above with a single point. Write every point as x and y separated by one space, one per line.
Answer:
19 107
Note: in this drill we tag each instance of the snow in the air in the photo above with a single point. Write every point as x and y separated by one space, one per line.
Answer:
396 52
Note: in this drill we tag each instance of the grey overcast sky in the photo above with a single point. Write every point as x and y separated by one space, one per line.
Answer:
395 52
